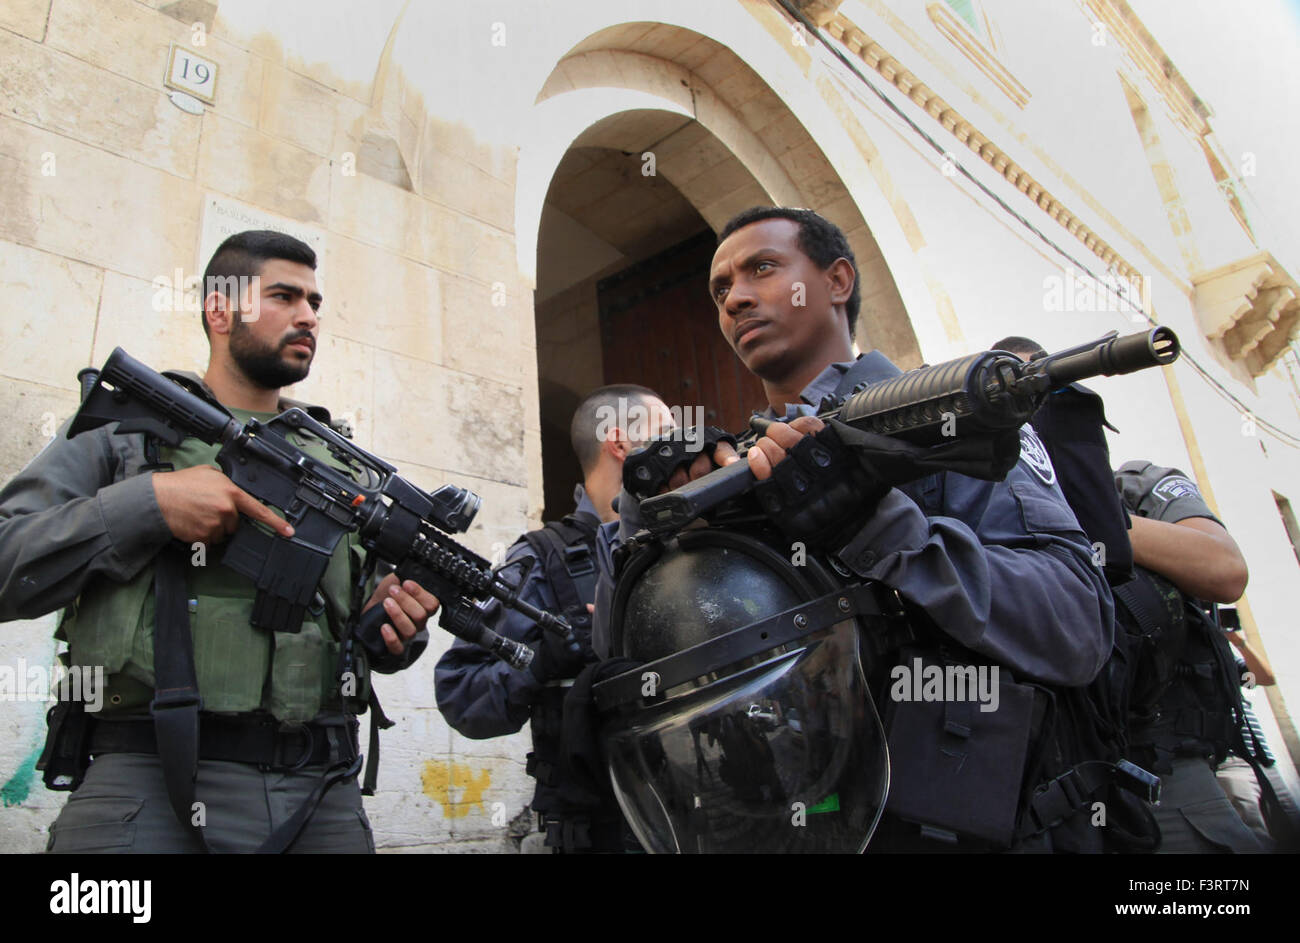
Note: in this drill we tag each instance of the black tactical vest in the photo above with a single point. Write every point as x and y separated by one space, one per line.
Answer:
566 551
1185 695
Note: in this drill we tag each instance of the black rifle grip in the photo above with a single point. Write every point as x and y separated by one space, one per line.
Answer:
460 617
676 509
368 632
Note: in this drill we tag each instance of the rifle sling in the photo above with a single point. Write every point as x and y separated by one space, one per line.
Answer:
176 705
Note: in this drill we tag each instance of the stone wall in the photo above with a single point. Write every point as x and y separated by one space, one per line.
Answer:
427 330
417 146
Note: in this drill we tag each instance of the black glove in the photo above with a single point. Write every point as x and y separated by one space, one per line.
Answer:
647 470
553 660
820 492
582 761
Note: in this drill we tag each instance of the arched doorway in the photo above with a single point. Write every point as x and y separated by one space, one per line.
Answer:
622 280
648 138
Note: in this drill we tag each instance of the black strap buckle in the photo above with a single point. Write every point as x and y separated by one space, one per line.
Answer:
567 833
282 742
578 561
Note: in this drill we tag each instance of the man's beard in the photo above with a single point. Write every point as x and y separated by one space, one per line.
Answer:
262 363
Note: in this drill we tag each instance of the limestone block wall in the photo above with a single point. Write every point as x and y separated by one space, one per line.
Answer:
427 337
417 144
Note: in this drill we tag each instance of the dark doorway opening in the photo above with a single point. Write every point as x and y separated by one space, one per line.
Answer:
659 328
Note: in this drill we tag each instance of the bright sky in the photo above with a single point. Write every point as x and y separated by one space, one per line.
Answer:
1243 60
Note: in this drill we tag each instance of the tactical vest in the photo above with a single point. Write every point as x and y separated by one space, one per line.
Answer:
566 551
240 668
999 779
1184 693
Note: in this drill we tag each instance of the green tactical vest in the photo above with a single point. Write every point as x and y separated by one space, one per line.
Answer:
240 668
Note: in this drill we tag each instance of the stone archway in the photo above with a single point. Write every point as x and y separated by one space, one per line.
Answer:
715 139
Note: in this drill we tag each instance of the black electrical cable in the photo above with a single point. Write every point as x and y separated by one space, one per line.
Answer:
1280 434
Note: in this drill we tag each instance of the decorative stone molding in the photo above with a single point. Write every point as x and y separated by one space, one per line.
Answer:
819 11
1252 308
390 134
1141 47
875 56
1183 104
952 26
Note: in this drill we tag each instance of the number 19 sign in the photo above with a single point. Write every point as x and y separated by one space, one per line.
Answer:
192 74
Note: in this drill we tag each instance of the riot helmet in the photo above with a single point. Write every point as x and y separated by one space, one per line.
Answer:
749 725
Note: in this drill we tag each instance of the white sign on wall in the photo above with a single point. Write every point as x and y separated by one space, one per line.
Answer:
192 74
224 217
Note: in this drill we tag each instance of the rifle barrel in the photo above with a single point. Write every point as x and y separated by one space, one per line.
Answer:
1114 357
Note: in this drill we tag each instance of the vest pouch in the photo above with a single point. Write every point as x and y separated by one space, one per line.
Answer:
103 626
297 674
231 658
355 691
952 765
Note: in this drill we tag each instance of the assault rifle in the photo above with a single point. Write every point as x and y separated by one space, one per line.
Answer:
396 521
977 395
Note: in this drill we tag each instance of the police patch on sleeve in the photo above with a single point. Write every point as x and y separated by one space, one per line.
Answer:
1173 487
1034 454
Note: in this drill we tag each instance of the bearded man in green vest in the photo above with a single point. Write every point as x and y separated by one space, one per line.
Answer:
83 528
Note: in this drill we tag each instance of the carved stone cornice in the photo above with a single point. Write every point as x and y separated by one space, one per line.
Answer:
954 28
889 68
819 11
1143 50
1252 308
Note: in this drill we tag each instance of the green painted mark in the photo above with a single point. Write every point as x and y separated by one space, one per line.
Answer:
830 804
19 786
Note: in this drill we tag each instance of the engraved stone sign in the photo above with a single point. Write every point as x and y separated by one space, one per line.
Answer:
224 217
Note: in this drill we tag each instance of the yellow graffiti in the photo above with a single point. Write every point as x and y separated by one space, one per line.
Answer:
456 786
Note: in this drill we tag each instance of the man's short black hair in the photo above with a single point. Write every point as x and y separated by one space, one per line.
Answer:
244 254
1022 346
819 238
594 411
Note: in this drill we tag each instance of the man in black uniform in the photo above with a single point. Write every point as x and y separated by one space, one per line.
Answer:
482 696
996 574
1185 696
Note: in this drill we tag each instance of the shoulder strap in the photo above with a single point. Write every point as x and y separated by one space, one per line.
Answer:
176 703
1281 814
578 530
584 522
566 550
871 367
847 382
857 375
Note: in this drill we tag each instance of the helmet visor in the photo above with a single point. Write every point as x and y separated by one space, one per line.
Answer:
786 756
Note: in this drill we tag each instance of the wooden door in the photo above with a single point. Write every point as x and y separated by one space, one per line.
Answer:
660 329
